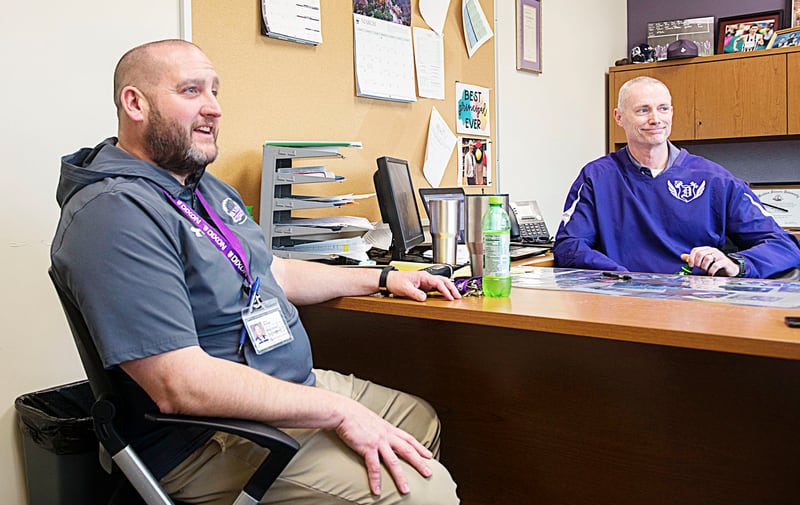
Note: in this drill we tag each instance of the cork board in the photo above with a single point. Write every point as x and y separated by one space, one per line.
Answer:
278 90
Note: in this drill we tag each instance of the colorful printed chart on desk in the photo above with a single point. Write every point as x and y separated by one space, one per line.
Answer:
735 291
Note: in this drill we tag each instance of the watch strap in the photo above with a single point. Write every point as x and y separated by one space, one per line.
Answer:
382 289
739 260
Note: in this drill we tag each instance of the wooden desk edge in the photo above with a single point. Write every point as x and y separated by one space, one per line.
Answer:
755 331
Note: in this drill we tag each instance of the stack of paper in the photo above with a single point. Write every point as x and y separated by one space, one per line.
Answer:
322 228
327 201
354 248
332 223
296 174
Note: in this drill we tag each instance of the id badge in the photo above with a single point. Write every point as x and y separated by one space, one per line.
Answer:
266 326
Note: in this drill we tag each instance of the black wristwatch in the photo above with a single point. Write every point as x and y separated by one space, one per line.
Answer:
739 259
382 289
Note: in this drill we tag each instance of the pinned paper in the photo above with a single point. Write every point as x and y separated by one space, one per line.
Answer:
434 12
429 59
472 106
476 28
438 150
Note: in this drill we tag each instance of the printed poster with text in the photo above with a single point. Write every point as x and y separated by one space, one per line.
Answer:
472 109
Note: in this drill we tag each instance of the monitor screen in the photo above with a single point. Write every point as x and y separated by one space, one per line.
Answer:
398 205
428 194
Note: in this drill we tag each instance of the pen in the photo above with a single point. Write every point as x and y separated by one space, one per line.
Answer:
250 296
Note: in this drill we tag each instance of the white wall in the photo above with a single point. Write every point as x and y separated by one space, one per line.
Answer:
56 95
58 59
553 123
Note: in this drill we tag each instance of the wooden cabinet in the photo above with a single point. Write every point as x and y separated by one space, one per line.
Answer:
729 96
793 93
741 98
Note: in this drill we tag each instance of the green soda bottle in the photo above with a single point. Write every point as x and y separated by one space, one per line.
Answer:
496 236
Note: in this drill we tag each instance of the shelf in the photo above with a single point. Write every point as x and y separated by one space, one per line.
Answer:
281 230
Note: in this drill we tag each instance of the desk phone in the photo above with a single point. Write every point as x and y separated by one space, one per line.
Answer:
530 223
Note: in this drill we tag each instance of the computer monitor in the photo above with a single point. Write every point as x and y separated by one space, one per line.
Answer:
398 205
429 194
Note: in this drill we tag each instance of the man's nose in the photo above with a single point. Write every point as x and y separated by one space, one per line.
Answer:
211 107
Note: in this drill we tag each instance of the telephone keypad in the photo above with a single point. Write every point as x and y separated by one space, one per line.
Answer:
533 230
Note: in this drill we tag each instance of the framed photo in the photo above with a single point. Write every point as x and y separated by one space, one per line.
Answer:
782 201
786 38
474 167
792 13
751 32
699 30
529 35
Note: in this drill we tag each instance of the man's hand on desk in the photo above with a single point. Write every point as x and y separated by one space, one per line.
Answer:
416 283
712 260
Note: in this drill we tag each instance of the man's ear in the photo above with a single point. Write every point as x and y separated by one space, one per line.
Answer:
617 116
134 103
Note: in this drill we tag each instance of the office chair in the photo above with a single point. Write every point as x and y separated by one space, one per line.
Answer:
109 412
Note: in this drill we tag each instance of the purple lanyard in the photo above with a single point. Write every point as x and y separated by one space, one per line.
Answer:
228 243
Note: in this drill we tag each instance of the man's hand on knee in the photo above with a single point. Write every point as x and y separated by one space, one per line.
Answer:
377 440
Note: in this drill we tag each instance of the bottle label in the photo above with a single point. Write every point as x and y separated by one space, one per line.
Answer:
496 258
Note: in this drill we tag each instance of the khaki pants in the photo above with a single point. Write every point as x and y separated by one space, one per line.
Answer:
324 470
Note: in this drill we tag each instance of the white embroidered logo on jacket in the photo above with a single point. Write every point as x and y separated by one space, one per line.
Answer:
686 192
232 209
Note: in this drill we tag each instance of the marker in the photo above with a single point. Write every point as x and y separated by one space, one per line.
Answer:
614 275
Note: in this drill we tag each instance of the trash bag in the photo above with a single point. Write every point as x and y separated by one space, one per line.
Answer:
59 419
60 448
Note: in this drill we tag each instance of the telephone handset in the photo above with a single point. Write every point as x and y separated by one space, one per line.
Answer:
527 223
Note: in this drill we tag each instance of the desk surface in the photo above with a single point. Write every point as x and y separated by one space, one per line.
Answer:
754 331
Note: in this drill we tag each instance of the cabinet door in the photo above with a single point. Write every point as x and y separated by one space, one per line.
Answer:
793 94
680 81
741 97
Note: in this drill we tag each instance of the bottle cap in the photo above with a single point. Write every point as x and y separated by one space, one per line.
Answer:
495 200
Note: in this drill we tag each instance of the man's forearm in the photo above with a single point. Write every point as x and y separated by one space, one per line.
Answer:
307 283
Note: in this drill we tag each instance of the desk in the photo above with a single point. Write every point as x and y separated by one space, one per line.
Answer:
554 397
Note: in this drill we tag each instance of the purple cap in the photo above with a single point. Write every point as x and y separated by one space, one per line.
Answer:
682 48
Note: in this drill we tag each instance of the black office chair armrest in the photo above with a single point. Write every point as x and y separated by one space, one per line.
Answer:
282 447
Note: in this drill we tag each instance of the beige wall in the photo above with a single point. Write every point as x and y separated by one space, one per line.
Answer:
57 88
553 123
58 60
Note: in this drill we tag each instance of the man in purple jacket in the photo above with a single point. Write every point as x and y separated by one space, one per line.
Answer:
652 207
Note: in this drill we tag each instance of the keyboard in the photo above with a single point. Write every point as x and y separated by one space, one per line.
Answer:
525 251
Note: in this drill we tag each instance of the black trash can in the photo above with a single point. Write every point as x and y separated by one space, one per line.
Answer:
60 448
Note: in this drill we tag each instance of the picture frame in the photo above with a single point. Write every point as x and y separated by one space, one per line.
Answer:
660 34
789 37
782 201
792 13
750 32
529 35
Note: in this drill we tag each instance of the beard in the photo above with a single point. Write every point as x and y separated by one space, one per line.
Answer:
171 147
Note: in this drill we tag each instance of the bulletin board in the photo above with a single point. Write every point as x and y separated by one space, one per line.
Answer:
279 90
